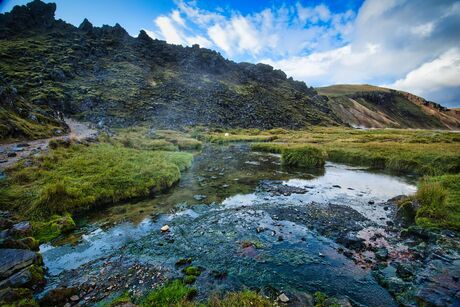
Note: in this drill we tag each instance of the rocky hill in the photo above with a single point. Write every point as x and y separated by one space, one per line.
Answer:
103 75
378 107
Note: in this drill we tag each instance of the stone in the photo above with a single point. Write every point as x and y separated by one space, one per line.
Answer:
10 295
351 241
165 228
260 229
11 154
58 296
31 276
283 298
21 229
199 197
381 253
371 202
13 260
74 298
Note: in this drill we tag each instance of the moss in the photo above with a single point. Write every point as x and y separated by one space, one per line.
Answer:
322 300
305 156
192 270
189 279
57 225
171 294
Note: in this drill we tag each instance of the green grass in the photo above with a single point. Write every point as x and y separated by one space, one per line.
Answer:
435 154
141 137
244 298
439 198
84 177
174 293
305 156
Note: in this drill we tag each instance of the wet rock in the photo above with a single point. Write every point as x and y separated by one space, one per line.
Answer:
276 187
13 260
260 229
283 298
5 223
10 295
58 297
381 253
21 229
371 202
30 277
405 214
11 154
199 197
336 186
165 228
351 241
24 243
74 298
183 261
405 270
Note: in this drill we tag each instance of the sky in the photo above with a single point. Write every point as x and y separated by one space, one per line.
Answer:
411 45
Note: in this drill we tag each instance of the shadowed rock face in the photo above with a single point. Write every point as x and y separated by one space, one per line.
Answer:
101 73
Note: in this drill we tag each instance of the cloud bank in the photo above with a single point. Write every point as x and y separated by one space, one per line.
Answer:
403 44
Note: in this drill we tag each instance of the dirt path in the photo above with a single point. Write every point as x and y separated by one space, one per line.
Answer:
13 152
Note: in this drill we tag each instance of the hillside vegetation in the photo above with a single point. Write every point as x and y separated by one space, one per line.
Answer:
377 107
103 75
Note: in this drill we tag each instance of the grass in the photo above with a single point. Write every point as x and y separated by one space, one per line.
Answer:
244 298
141 137
434 154
84 177
305 156
174 293
439 198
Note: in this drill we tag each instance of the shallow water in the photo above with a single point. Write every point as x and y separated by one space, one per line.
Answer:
240 191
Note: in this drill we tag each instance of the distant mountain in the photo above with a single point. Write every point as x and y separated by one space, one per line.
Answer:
103 75
378 107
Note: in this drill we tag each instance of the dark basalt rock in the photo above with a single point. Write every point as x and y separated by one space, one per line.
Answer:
13 260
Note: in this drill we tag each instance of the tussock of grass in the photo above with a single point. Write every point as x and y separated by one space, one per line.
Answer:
174 293
439 198
80 177
305 156
244 299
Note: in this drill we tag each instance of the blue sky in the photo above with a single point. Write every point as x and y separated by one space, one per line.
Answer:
396 43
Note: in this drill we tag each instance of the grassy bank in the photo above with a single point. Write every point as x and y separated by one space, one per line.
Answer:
435 154
82 177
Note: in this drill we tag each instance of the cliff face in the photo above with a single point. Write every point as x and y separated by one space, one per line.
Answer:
106 76
376 107
103 75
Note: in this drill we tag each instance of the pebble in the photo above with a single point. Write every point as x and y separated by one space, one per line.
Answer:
283 298
74 298
165 228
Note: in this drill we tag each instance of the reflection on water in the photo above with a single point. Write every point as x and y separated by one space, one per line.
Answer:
285 255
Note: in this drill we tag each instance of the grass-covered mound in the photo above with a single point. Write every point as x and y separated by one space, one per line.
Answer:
83 177
439 198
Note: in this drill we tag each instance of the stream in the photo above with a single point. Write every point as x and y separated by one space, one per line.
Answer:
246 222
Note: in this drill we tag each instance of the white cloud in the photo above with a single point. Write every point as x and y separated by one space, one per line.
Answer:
444 71
396 42
168 30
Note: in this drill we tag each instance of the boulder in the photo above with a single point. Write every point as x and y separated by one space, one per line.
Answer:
29 277
58 296
14 260
21 229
